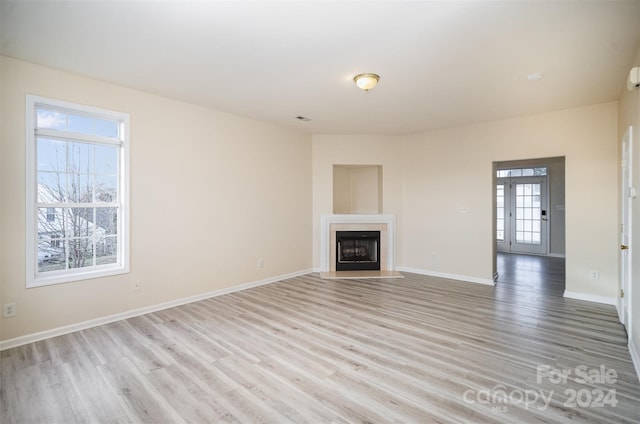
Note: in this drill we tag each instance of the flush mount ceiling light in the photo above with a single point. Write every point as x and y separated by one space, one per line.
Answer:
366 81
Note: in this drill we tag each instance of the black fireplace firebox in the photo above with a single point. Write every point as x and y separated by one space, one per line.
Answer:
357 250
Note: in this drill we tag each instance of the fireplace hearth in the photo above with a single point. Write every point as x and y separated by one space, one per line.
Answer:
357 250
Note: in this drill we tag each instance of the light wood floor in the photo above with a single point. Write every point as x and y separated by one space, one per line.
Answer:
307 350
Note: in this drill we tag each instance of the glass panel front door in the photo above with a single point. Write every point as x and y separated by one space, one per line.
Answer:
521 215
529 215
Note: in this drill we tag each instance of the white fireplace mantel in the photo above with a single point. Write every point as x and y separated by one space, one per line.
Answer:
325 234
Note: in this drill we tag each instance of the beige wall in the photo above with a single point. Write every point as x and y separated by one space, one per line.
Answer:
211 194
629 114
357 189
439 184
452 169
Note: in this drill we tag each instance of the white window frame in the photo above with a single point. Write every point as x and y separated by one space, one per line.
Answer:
33 277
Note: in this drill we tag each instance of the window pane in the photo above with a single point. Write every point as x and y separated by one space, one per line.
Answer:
51 119
536 201
51 187
516 173
80 253
50 258
106 128
51 155
50 224
107 221
106 160
107 250
76 123
106 189
79 124
80 158
527 172
80 188
540 171
80 222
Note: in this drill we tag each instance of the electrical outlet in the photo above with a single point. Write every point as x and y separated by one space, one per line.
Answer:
9 310
260 263
137 285
595 275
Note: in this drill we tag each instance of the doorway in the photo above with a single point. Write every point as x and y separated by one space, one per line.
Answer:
529 220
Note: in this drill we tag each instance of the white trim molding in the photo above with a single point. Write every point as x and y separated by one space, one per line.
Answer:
635 356
59 331
591 298
325 227
465 278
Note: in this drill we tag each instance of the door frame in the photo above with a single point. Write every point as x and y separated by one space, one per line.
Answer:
626 221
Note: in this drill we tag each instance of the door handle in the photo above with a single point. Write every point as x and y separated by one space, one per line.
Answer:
624 247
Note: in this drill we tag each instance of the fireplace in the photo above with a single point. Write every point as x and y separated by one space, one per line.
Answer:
357 250
331 224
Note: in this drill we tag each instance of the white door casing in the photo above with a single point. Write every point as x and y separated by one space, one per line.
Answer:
626 208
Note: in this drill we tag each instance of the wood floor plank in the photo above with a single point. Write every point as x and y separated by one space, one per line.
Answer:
307 350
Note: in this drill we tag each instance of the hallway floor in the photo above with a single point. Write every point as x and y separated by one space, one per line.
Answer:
530 273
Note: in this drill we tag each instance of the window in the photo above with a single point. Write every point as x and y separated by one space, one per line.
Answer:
522 172
500 212
77 192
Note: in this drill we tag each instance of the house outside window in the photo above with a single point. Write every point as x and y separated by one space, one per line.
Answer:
51 214
77 192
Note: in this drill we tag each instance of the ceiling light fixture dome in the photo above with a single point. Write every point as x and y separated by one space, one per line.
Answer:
366 81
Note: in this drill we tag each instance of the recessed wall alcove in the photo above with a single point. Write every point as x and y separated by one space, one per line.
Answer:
357 189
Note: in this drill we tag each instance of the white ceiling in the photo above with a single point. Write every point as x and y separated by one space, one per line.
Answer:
442 64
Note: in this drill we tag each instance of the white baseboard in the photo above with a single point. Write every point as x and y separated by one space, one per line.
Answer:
635 356
59 331
619 310
592 298
486 281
